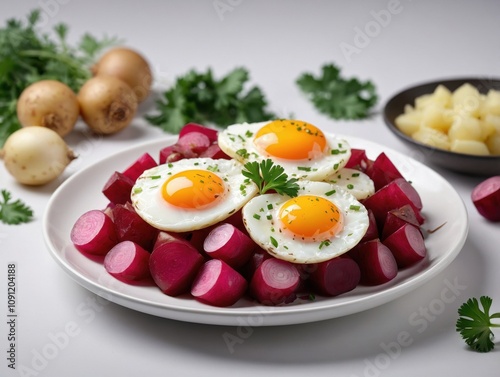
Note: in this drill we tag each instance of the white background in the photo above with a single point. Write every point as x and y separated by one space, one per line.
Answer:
276 41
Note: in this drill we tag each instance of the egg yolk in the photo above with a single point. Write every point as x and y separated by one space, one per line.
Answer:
311 217
193 189
291 140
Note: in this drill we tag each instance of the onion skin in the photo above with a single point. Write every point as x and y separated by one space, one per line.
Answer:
36 155
48 103
129 66
107 104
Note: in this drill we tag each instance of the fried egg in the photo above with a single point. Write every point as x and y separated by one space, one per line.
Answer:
191 194
322 222
353 181
301 148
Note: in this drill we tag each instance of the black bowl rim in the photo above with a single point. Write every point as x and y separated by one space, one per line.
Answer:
457 81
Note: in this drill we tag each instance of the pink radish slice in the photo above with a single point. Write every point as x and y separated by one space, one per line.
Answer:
407 245
393 195
336 276
174 265
194 127
229 244
94 233
274 282
214 151
255 261
372 231
218 284
396 218
118 188
486 198
169 154
358 160
143 163
196 142
131 227
376 263
127 261
383 171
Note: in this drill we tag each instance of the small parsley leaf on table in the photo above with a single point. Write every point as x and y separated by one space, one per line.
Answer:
336 96
474 323
15 212
268 176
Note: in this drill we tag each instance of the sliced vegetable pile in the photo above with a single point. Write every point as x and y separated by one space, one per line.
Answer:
221 263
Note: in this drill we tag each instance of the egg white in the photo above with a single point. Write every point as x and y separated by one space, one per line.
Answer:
148 202
237 141
260 216
353 181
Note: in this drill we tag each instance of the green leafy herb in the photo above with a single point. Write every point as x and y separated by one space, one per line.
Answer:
27 56
474 324
200 98
268 176
14 213
337 97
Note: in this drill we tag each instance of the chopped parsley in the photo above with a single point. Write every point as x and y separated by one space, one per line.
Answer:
268 176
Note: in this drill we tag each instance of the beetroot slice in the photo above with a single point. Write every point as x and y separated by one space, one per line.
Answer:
194 127
214 151
131 227
383 171
143 163
274 282
94 233
407 245
127 261
372 231
196 142
218 284
358 160
396 218
336 276
118 188
229 244
376 262
486 198
174 265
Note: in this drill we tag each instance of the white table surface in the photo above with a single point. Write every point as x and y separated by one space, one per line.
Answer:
276 41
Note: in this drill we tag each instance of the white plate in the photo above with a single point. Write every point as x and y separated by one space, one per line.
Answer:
82 192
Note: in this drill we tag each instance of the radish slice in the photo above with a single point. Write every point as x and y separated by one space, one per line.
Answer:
486 198
274 282
218 284
229 244
336 276
376 262
214 151
118 188
143 163
94 233
196 142
174 265
127 261
407 245
194 127
396 218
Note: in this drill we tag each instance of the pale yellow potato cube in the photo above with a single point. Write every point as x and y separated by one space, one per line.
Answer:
409 123
408 109
442 96
423 101
487 127
469 147
465 128
491 103
436 116
432 137
466 100
492 121
493 144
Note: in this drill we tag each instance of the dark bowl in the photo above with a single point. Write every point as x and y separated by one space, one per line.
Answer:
458 162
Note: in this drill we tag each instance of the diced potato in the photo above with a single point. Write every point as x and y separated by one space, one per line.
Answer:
493 143
408 109
422 101
442 96
491 104
466 100
493 121
465 128
432 137
409 123
488 127
469 147
438 117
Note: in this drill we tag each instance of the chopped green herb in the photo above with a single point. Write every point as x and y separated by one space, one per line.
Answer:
243 153
330 193
268 176
354 207
324 243
304 168
350 186
155 177
137 190
273 241
256 216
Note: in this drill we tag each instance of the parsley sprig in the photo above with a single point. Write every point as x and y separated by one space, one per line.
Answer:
201 98
15 212
268 176
336 96
474 324
27 55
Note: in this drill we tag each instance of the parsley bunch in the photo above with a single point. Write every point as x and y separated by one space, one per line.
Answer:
13 213
474 324
268 176
337 97
27 56
200 98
